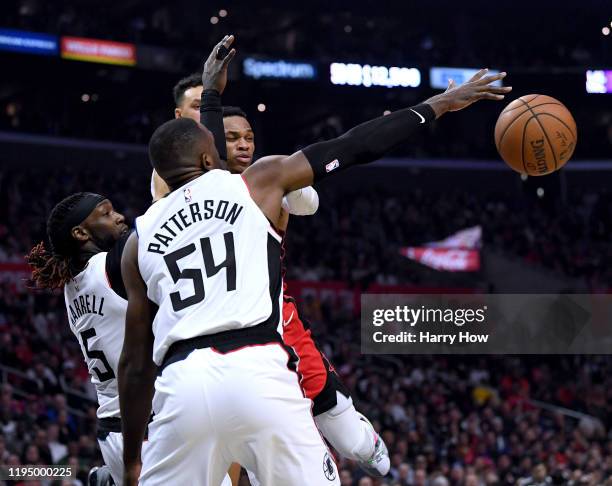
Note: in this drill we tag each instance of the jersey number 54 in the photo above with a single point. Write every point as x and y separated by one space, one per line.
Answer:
195 274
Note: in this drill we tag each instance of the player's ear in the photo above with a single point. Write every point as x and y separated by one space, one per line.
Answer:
79 233
159 188
208 162
178 113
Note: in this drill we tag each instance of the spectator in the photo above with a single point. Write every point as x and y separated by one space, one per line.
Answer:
58 450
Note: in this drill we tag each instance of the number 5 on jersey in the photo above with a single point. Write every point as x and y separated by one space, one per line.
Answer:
195 274
105 375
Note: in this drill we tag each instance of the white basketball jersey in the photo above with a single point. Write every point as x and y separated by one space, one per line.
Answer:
97 319
210 260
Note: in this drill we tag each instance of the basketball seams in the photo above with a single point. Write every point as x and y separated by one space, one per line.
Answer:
519 115
501 137
563 123
552 149
506 110
534 106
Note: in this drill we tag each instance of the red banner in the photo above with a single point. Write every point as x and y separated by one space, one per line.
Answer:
444 258
95 50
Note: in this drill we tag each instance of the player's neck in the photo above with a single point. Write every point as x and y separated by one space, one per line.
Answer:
79 262
186 179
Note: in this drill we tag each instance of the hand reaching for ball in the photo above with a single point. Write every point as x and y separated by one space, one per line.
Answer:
479 87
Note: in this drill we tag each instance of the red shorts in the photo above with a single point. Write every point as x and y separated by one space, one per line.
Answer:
318 377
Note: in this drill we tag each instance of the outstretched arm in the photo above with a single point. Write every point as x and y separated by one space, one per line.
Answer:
214 79
136 374
272 177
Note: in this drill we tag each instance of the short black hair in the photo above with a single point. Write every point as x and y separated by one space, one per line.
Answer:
234 111
183 85
173 143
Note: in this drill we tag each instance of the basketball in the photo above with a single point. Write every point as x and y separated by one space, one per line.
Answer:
535 135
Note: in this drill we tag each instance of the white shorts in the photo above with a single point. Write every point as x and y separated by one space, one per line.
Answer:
112 453
246 406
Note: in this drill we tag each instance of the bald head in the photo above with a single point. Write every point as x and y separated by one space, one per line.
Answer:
182 149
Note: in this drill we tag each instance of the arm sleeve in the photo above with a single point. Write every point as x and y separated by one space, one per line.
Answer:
211 116
113 266
303 202
366 142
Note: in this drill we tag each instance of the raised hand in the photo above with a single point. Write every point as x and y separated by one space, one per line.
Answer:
479 87
214 74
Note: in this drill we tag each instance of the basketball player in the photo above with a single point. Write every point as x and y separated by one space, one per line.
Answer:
203 280
349 432
87 237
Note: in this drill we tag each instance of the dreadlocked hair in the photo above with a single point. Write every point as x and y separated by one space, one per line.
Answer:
49 271
53 269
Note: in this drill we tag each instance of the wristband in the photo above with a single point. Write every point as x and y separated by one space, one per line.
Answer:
210 101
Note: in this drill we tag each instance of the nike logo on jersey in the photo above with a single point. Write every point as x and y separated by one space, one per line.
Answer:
419 115
286 323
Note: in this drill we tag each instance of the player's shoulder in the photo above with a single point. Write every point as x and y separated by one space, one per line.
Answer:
269 159
145 220
95 265
262 168
219 178
210 177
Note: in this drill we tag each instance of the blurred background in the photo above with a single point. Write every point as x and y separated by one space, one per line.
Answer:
84 83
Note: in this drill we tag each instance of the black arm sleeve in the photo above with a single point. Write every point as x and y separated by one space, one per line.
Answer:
113 266
366 142
211 116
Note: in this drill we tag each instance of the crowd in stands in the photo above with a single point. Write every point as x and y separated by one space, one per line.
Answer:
455 420
447 420
369 225
571 239
360 32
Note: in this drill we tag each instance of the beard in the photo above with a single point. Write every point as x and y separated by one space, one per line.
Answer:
104 242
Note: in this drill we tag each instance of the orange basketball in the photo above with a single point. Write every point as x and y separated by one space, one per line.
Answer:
535 135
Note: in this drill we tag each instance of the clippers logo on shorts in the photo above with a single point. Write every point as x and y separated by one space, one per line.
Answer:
187 194
328 467
334 164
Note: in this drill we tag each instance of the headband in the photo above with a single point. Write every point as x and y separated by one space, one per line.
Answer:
63 243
